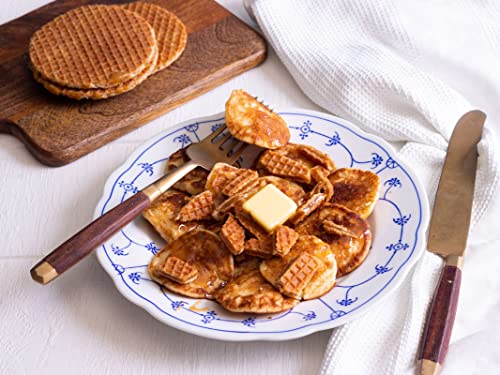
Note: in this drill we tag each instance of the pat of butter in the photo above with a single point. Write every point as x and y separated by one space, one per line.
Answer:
270 207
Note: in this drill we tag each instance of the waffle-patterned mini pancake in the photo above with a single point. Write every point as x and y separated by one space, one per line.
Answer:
281 165
307 271
164 212
233 235
249 292
199 207
284 239
245 180
219 177
260 243
259 247
308 155
294 191
323 184
355 189
225 207
179 271
252 122
308 207
347 234
201 250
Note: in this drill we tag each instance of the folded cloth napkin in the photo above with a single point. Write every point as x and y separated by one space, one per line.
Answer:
380 64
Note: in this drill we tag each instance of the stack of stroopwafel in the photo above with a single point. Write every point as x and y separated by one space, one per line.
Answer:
99 51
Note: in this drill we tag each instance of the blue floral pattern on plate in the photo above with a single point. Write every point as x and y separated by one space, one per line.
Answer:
398 224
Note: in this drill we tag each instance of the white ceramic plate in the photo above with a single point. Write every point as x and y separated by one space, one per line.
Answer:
398 223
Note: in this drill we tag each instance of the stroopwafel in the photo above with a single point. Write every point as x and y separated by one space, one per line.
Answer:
99 93
94 46
170 32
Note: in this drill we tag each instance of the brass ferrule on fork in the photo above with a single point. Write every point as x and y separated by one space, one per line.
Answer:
161 185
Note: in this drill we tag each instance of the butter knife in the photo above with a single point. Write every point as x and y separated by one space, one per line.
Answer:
448 232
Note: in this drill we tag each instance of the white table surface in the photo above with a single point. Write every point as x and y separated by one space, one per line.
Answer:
82 325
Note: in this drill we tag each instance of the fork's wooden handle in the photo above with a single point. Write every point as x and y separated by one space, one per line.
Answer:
440 320
84 242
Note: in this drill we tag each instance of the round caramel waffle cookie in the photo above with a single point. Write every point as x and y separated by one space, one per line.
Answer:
170 32
93 47
101 93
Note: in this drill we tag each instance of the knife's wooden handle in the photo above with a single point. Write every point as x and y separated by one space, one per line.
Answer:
85 241
440 320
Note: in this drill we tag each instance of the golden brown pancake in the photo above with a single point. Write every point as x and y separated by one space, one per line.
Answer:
294 191
249 292
194 182
277 164
199 207
284 239
219 177
322 279
233 235
350 251
250 121
163 215
355 189
308 155
203 250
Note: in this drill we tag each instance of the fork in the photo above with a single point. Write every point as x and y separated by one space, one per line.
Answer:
217 147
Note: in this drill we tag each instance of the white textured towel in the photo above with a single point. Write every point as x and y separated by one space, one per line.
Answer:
383 65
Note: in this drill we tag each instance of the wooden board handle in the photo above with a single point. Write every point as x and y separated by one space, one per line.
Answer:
85 241
440 320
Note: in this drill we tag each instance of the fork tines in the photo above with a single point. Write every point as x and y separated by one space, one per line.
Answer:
264 103
226 142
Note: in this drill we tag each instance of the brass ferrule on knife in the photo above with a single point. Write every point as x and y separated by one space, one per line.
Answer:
455 260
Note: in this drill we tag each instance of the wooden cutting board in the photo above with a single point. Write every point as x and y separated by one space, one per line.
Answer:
58 130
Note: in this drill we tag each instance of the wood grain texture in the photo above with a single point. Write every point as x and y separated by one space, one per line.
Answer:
41 206
58 130
441 316
85 241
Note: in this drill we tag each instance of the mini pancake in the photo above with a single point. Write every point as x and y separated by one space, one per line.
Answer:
356 189
308 155
245 180
350 250
233 235
323 278
163 214
219 177
203 250
250 121
199 207
284 239
194 182
294 191
275 163
249 292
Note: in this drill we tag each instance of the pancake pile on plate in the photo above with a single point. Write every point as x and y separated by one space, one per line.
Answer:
99 51
260 240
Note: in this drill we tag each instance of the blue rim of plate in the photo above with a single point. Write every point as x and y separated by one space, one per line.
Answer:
337 315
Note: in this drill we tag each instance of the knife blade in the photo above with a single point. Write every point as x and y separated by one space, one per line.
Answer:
448 232
449 226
